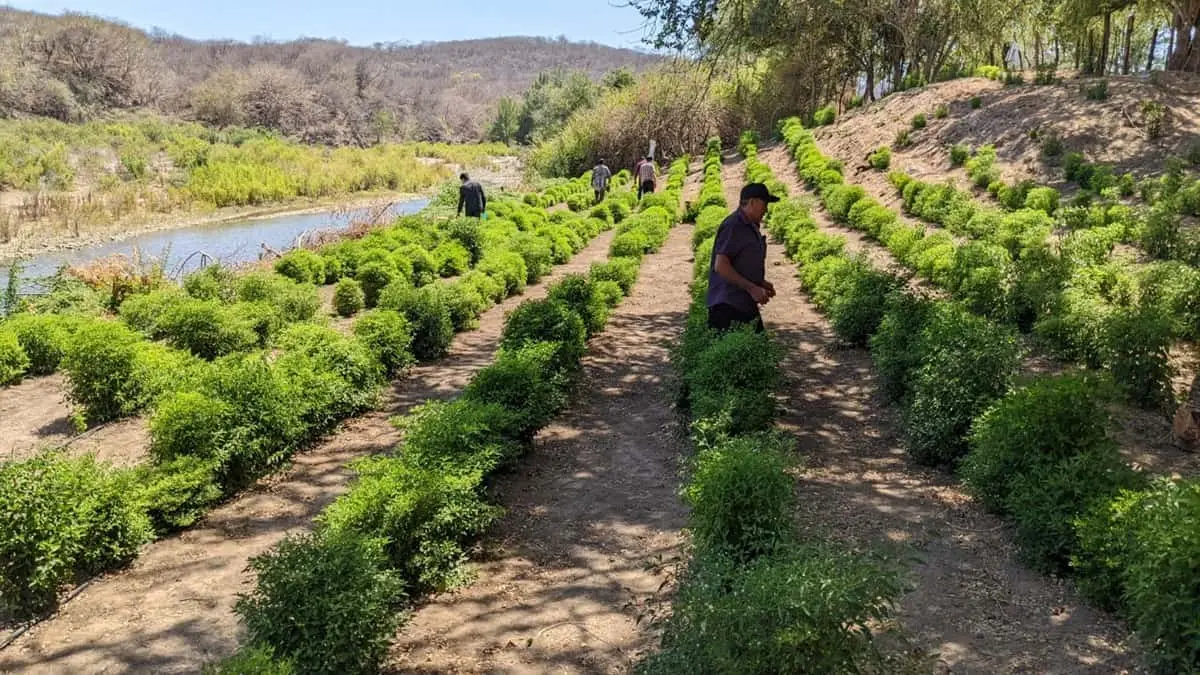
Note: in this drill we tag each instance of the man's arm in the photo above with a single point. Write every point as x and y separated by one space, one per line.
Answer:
482 198
462 197
724 267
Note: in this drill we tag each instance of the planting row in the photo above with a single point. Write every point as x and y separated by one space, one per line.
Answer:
216 426
330 601
1038 452
1015 276
757 595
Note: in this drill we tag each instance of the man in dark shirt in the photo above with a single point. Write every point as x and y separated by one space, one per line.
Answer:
737 283
471 197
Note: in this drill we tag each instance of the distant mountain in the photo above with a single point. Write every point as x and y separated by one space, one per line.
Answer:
74 67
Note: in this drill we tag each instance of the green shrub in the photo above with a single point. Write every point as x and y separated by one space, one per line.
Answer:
976 102
895 346
959 155
374 277
302 266
176 494
524 382
1052 146
903 140
506 267
536 252
808 610
43 337
624 271
919 121
64 517
1043 199
966 363
189 423
632 244
327 603
839 199
14 362
348 297
206 328
214 282
744 396
461 437
942 111
428 315
386 334
547 321
707 224
99 363
251 660
1050 419
451 258
144 311
742 499
1046 503
881 159
860 301
424 516
1137 345
823 117
336 376
469 233
465 304
579 293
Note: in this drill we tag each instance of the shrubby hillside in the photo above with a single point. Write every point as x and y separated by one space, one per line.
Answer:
76 67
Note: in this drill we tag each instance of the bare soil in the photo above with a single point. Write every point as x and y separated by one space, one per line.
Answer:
973 607
592 512
171 610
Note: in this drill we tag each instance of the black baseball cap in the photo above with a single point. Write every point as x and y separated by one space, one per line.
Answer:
758 191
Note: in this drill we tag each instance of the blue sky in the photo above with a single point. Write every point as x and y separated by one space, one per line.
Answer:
363 22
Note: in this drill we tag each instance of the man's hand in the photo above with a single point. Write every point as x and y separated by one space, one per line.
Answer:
760 294
769 287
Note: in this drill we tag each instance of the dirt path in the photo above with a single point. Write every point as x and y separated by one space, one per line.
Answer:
973 604
592 510
171 610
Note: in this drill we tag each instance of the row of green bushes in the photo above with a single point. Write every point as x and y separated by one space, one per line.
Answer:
757 595
1015 277
1040 453
215 426
329 601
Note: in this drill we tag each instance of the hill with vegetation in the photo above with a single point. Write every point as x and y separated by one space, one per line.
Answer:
76 67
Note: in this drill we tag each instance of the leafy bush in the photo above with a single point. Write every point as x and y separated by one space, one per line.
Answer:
465 304
942 111
742 396
624 271
348 297
547 321
337 375
976 103
63 517
823 117
881 159
839 199
809 610
859 301
903 139
387 335
1137 345
919 121
43 338
524 382
461 437
707 224
424 516
451 258
189 423
302 266
206 328
99 363
175 494
959 155
144 310
632 244
966 363
895 346
1043 199
327 603
251 660
579 293
506 267
374 277
14 362
428 315
742 498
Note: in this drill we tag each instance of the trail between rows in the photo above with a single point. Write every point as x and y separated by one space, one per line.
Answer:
973 605
592 512
171 610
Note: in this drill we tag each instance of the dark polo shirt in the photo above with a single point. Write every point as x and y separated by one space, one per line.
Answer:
746 247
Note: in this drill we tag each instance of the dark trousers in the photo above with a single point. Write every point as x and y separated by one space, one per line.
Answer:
723 317
600 192
645 188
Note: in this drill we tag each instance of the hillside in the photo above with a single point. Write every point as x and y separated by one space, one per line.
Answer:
76 67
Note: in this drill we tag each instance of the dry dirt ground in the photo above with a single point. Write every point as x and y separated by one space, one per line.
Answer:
973 607
592 512
171 610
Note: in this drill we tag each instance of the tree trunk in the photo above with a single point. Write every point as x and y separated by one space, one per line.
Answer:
1104 43
1078 51
1186 53
870 95
1057 52
1153 46
1090 65
1037 49
1126 65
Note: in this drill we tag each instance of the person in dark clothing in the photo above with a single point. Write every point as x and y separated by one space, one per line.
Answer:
645 175
471 197
737 284
601 175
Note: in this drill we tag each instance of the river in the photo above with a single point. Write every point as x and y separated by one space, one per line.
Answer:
229 242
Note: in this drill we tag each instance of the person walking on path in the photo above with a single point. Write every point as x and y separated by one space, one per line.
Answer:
471 197
600 177
646 173
737 284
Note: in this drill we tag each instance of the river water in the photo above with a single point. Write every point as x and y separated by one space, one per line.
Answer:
229 242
